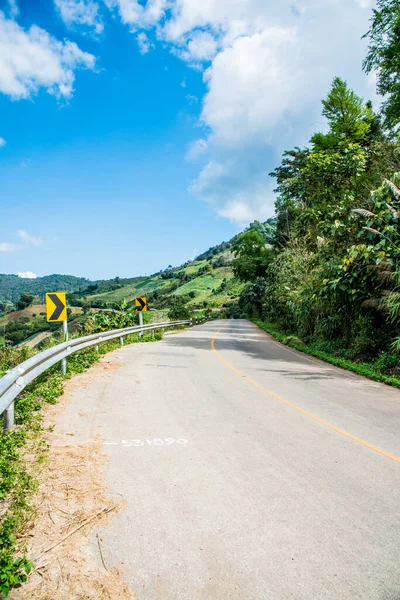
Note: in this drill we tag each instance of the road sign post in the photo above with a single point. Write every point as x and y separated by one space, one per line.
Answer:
56 312
141 306
64 360
141 322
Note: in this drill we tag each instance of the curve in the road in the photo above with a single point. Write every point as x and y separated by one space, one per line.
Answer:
298 408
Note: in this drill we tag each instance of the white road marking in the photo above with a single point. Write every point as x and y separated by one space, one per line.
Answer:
154 442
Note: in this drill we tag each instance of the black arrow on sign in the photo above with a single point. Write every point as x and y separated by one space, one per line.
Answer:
142 304
59 307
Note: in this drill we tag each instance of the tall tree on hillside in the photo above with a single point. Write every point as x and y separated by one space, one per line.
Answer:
383 57
347 115
320 185
25 300
252 256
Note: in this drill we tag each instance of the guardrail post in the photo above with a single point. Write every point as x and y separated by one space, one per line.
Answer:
152 332
141 323
8 422
96 347
64 360
121 339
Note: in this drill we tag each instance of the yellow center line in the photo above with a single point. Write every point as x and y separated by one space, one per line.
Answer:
298 408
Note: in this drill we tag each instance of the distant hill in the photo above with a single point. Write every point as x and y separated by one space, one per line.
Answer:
207 281
267 229
11 286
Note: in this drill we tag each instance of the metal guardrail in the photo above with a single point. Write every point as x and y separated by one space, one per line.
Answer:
20 376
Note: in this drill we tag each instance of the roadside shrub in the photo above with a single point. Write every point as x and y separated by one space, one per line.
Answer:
179 312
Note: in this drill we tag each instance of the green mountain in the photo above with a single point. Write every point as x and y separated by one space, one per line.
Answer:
11 286
206 281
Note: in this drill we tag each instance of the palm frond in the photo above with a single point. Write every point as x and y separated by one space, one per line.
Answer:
393 187
394 211
378 304
396 345
364 212
372 230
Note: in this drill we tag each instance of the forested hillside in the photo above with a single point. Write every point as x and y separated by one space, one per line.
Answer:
11 286
207 279
332 275
206 282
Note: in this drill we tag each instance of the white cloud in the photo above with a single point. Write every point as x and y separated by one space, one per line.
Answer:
138 15
13 9
144 43
201 46
7 247
269 65
251 85
2 142
80 12
365 3
196 149
264 91
191 99
236 189
29 239
32 59
27 275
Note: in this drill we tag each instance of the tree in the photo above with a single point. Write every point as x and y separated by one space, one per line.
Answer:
252 256
178 310
252 298
347 115
369 269
320 185
383 57
25 300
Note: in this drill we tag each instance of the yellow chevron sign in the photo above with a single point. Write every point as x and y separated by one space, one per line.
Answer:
141 304
56 307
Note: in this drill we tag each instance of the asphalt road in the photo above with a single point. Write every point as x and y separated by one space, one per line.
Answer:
250 471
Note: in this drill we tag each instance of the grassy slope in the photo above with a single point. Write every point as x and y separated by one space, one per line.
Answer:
131 290
36 324
202 285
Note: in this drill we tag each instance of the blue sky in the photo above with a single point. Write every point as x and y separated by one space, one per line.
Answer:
134 135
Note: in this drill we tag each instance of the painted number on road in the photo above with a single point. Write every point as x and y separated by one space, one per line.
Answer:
155 442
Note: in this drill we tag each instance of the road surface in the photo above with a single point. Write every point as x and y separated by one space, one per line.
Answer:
250 471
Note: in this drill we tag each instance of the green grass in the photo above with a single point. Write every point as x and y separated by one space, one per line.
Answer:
202 285
371 370
130 291
195 266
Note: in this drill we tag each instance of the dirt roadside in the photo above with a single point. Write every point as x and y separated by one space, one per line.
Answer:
71 501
